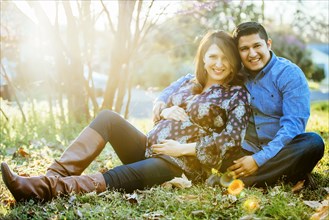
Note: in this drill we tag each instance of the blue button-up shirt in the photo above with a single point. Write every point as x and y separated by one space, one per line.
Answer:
280 100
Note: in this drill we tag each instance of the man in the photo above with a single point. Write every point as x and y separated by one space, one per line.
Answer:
276 144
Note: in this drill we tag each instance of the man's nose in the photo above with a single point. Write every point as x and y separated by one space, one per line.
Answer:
252 52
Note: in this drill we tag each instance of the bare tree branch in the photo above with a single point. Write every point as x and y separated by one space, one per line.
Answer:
108 17
147 14
4 114
5 75
150 26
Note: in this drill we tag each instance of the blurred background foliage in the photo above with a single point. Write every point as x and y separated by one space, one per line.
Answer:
84 56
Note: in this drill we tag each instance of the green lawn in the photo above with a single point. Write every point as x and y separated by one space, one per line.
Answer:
44 138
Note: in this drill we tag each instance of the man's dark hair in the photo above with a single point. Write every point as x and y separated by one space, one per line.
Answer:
248 28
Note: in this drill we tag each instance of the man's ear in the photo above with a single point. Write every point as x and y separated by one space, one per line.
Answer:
269 43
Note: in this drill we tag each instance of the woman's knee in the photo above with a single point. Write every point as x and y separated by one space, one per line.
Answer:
107 115
104 121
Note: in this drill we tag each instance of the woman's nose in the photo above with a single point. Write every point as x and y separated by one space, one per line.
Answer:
219 63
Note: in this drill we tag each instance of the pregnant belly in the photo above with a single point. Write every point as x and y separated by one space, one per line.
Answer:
183 132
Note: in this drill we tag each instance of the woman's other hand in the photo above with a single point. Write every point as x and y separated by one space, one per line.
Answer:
174 148
174 113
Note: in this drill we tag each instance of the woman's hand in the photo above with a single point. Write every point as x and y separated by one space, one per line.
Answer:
174 148
157 108
174 113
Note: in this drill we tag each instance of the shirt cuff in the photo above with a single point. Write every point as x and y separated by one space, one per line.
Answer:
259 158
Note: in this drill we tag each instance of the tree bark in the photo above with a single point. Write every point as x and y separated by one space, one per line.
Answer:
119 54
78 105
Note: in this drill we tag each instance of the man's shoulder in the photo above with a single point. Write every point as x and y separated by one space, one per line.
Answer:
284 64
285 69
285 73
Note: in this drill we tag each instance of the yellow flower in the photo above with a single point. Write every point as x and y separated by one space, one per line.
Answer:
214 171
235 187
251 204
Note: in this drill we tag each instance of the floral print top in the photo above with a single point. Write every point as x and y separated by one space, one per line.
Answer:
218 119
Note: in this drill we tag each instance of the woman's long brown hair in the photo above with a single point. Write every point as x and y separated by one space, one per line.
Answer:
226 43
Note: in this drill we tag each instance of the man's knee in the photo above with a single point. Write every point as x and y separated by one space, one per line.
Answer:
317 143
311 143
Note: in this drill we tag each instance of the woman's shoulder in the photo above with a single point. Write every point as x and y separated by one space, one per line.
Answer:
238 88
240 92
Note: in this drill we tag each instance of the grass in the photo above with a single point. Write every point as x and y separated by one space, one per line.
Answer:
45 138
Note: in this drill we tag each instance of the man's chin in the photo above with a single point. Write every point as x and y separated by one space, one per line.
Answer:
253 71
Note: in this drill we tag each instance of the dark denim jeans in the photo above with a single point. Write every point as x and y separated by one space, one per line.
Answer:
293 162
137 172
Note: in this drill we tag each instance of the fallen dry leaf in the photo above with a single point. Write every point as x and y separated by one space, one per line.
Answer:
198 213
23 153
298 186
312 204
322 209
103 169
321 214
184 198
179 182
9 202
132 198
153 215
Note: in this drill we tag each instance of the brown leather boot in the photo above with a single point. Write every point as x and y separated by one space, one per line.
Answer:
43 188
77 157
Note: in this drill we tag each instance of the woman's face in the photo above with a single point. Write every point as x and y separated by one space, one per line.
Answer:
216 65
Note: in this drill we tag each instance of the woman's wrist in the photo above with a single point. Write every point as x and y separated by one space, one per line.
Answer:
189 149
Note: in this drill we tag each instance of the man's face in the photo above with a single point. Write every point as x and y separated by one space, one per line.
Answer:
254 52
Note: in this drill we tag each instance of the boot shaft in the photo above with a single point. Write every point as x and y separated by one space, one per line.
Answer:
77 157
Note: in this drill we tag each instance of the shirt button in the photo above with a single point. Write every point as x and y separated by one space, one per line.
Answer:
257 128
253 97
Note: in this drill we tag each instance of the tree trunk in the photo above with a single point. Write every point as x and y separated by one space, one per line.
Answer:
121 89
119 54
78 105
